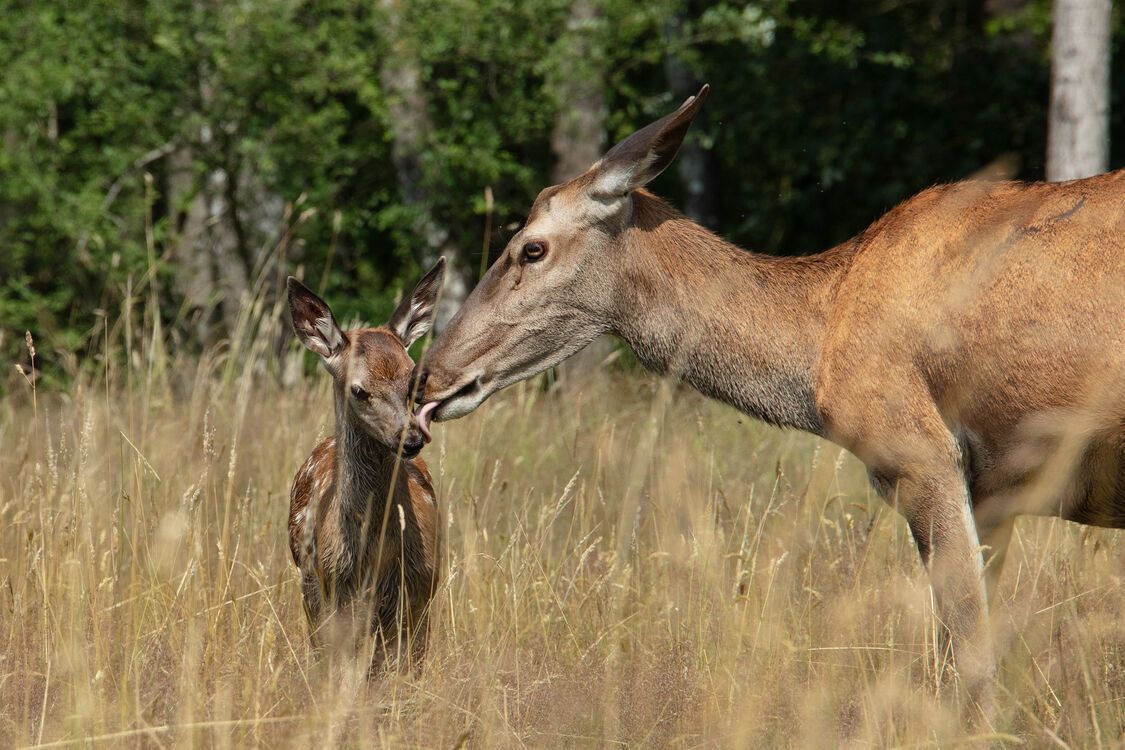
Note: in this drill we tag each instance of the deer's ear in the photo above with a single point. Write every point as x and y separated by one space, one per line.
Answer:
312 320
638 159
414 316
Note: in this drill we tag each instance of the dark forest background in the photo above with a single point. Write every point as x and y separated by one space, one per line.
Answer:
190 153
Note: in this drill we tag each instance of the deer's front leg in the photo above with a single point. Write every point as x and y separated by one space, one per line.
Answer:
933 496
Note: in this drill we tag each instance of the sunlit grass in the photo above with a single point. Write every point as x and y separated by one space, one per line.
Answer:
626 564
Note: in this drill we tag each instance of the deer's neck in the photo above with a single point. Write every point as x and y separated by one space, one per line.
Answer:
741 328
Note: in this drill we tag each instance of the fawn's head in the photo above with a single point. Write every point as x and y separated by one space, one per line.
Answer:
370 367
554 288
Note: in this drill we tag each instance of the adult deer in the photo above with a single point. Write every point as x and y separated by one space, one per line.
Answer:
968 347
363 522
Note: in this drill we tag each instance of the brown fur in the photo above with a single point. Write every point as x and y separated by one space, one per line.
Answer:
393 589
969 346
363 518
360 561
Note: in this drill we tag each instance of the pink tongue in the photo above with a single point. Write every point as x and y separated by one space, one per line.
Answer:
423 419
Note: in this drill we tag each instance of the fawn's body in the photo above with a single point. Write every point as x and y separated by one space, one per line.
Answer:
363 517
329 509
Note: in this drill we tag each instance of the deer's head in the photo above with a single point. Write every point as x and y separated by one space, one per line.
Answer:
553 288
370 367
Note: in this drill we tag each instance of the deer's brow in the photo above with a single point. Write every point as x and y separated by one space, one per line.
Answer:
543 201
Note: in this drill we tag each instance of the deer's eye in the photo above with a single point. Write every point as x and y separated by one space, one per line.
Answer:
360 394
534 250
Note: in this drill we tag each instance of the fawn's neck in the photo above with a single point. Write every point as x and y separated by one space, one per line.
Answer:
365 473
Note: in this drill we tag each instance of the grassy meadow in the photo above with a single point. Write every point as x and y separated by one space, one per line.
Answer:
626 565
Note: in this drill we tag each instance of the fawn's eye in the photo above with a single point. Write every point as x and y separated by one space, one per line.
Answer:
534 250
360 394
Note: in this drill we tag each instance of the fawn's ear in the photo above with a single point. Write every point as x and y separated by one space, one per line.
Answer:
414 316
638 159
312 320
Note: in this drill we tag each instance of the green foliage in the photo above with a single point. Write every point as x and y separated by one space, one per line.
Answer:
823 115
835 113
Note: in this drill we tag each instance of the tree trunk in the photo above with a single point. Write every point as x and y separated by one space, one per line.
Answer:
225 246
410 129
694 163
213 270
578 138
1078 126
195 279
212 254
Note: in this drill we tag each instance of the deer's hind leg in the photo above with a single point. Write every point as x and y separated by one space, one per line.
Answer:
1097 491
994 536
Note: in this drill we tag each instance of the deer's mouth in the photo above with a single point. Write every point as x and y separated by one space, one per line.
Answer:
458 403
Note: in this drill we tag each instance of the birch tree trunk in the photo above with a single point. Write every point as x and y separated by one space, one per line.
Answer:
1078 124
410 129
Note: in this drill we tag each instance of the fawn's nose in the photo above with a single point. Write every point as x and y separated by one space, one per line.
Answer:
412 446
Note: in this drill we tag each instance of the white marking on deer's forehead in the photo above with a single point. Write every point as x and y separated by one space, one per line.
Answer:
541 226
567 210
560 214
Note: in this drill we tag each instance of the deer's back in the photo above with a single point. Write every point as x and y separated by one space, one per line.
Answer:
993 311
1016 289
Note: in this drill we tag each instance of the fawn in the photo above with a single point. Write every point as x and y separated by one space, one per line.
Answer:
363 518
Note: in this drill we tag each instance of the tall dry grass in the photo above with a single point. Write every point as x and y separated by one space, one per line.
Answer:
626 564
